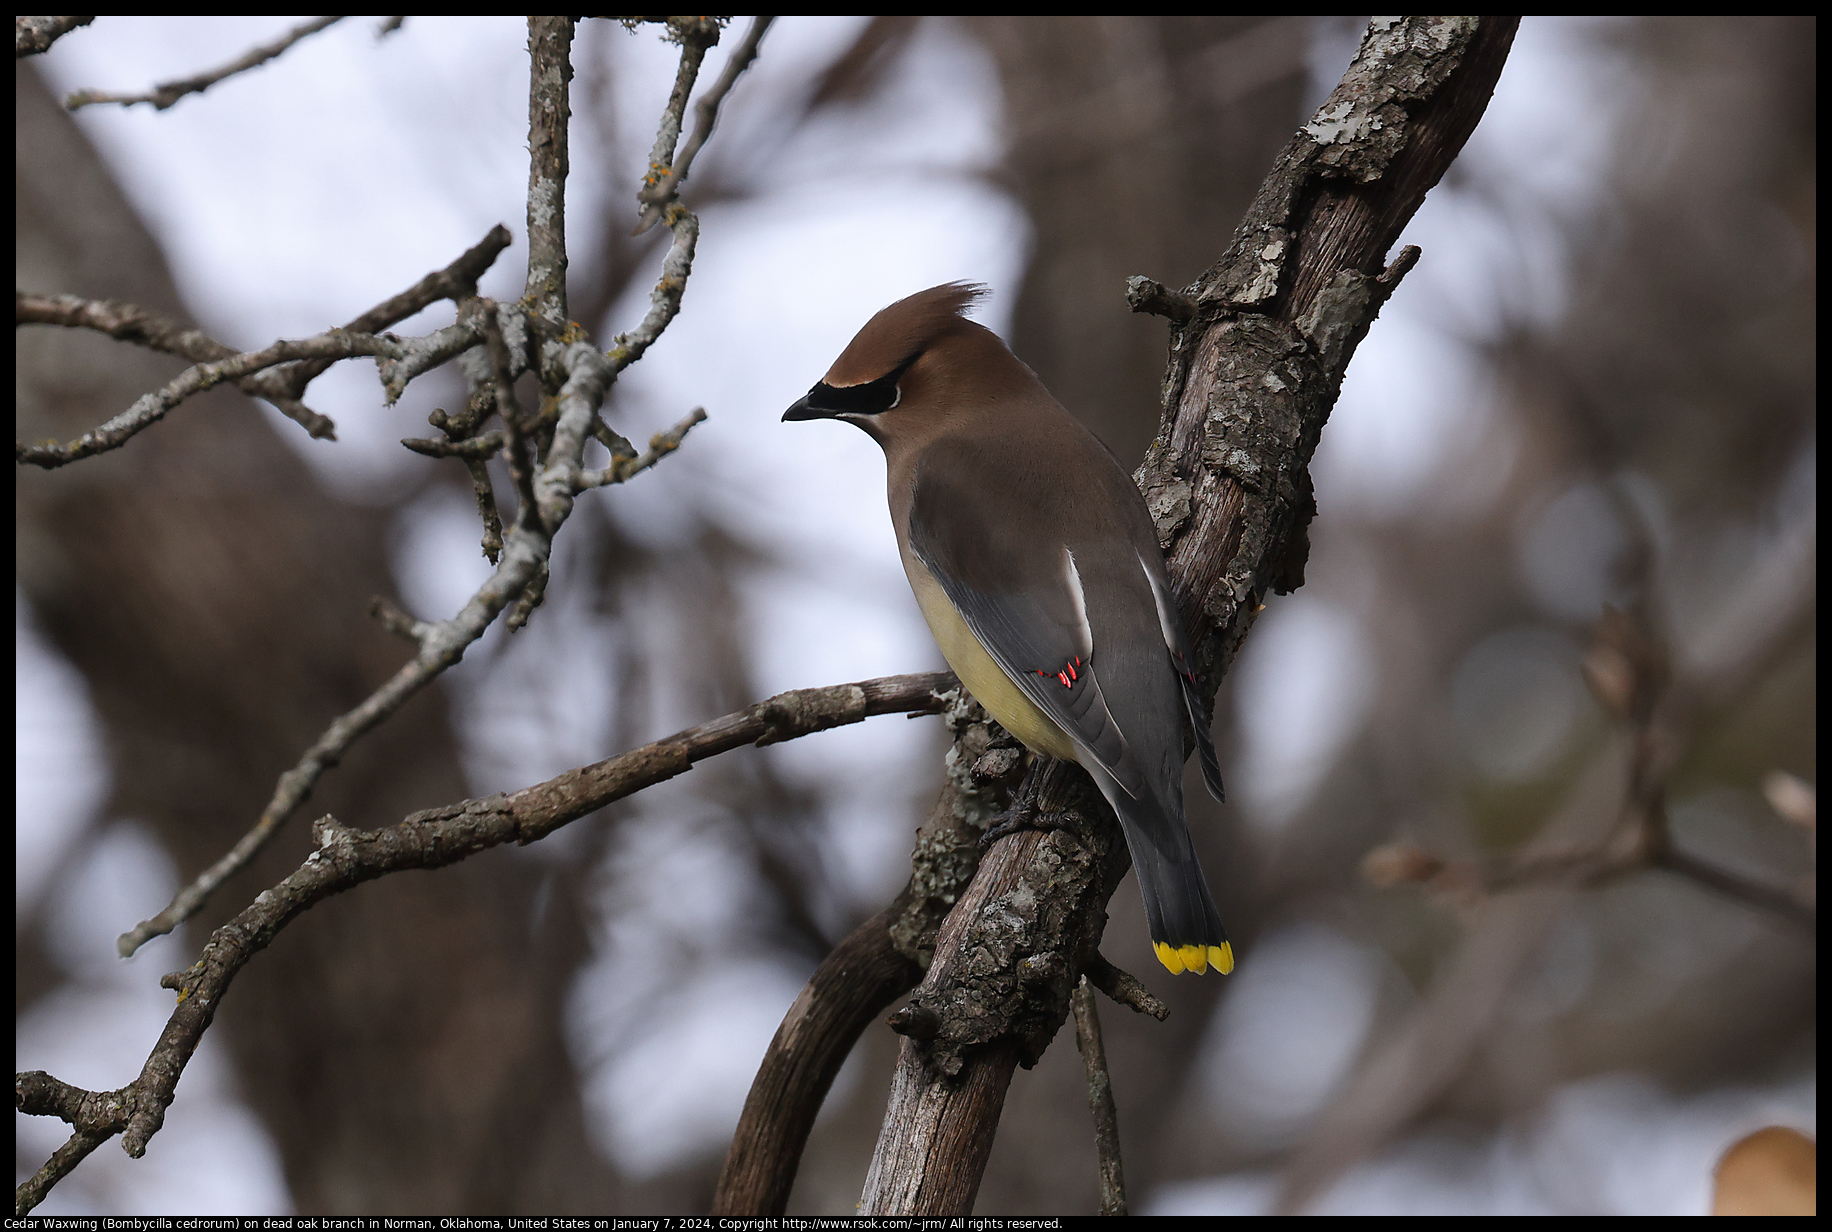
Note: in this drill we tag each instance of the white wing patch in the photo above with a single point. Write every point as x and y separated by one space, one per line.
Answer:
1084 633
1167 614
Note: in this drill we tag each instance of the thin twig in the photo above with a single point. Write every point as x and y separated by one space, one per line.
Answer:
613 441
484 492
1628 853
486 446
695 35
167 93
1145 295
519 562
74 1151
132 323
392 617
523 557
582 375
283 382
520 469
1613 824
1123 987
413 358
475 451
659 192
456 282
665 298
660 446
531 597
1778 901
1100 1100
150 408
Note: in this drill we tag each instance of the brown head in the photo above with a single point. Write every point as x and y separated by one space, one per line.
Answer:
915 366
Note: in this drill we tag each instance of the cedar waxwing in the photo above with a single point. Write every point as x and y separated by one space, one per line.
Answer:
1038 570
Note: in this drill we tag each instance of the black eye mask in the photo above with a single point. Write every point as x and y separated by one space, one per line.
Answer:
871 398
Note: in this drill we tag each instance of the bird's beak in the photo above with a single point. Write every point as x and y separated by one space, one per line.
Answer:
803 409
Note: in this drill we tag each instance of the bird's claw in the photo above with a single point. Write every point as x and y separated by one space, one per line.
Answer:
1015 820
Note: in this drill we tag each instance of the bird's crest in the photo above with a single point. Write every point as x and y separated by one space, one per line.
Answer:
903 331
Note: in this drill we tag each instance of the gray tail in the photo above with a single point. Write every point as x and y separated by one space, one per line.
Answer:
1186 931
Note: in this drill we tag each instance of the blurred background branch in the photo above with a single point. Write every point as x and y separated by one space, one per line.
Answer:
167 93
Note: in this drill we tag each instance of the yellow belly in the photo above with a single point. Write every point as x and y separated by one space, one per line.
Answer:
988 683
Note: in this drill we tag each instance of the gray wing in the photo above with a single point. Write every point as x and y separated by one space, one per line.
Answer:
1022 598
1181 659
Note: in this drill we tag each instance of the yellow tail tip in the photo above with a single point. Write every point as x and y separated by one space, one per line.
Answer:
1195 959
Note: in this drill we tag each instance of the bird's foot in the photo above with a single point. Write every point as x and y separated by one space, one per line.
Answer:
1015 820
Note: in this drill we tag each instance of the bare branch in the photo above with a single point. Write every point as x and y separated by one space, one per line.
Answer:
168 93
1630 666
152 407
695 35
440 646
392 617
486 446
456 282
660 446
1145 295
33 36
1122 987
96 1116
1100 1101
503 388
1411 1064
656 193
1607 861
475 451
345 858
549 108
864 973
665 299
531 597
32 1191
484 493
522 559
283 383
131 323
1794 906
